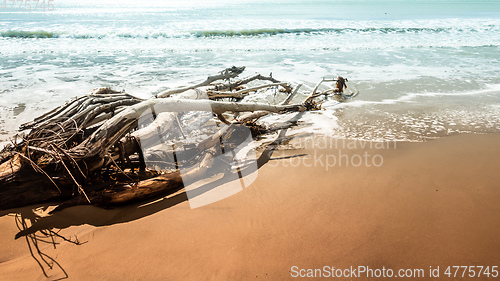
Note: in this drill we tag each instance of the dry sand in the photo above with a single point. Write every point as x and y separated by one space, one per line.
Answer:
429 204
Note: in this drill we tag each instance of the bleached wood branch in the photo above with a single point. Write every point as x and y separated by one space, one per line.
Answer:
244 92
258 114
223 75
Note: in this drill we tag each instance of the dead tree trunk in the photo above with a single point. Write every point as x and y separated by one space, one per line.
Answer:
91 150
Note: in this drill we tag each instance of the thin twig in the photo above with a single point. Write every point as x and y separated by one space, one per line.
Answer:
72 160
112 160
80 188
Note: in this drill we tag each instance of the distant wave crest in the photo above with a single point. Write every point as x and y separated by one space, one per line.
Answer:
277 31
28 34
228 33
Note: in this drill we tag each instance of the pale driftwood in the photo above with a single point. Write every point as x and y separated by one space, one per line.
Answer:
116 127
244 92
258 114
312 95
291 95
92 148
223 75
235 85
163 121
340 85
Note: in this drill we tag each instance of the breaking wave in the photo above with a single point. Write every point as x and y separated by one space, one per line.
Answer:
29 34
240 33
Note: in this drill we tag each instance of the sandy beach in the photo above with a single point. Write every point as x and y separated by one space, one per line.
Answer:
405 185
426 205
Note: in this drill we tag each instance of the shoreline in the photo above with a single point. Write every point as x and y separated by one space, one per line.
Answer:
429 204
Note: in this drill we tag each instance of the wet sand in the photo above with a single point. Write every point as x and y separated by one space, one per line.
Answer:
428 204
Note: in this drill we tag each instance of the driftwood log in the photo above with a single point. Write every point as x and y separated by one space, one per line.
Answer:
92 150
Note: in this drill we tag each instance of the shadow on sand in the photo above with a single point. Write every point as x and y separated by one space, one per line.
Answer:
38 229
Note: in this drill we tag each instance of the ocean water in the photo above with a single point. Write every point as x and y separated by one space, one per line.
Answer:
424 69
